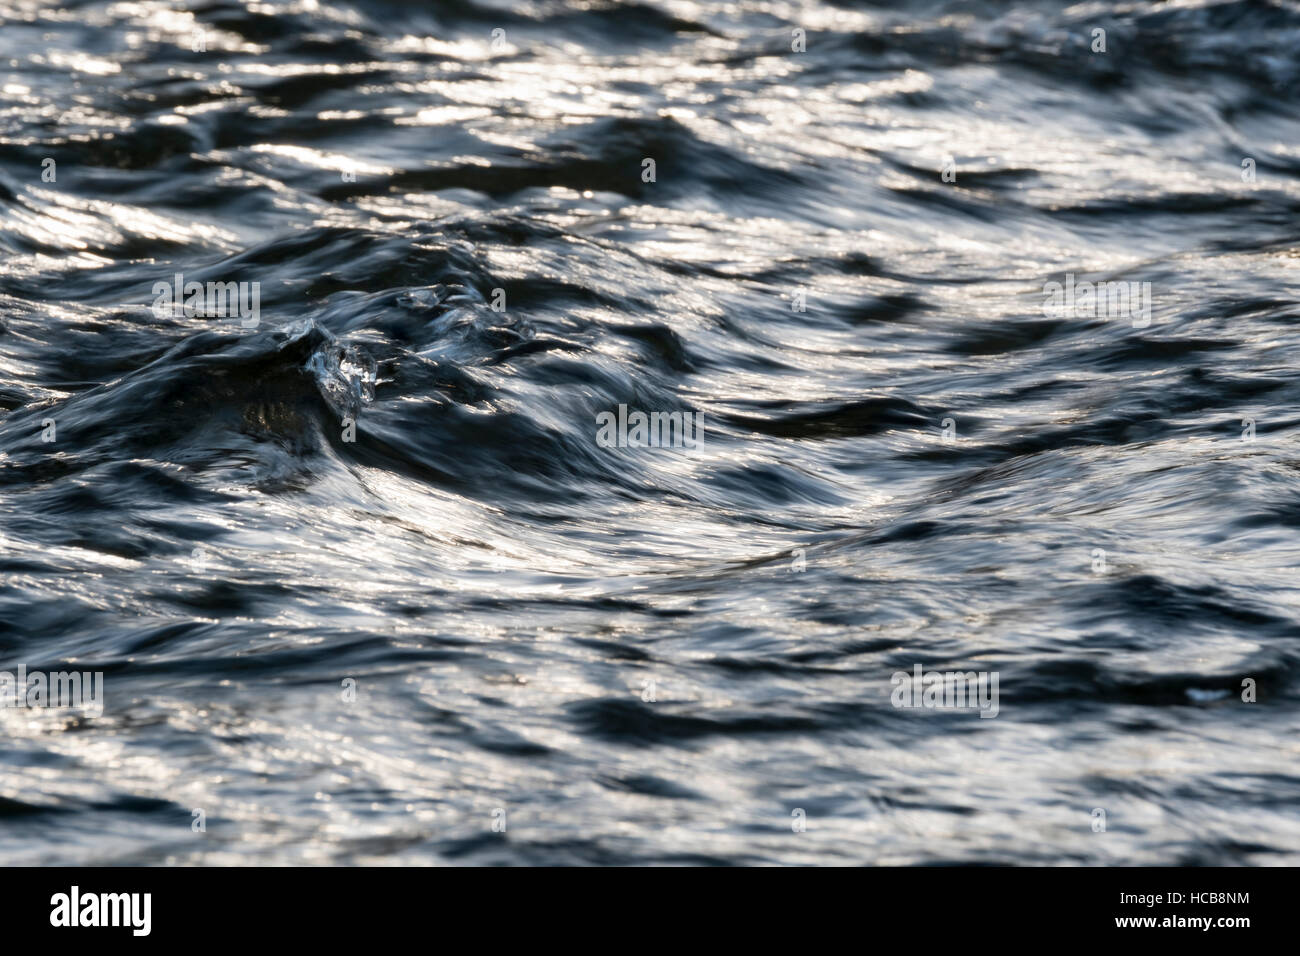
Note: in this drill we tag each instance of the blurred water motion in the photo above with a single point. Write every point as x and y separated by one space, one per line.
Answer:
650 655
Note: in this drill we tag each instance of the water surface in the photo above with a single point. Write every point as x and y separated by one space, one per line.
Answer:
650 655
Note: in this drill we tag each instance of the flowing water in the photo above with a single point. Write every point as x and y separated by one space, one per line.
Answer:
368 583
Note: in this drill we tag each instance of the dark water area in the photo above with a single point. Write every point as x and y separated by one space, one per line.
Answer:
366 584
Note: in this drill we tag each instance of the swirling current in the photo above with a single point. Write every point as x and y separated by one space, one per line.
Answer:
571 432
